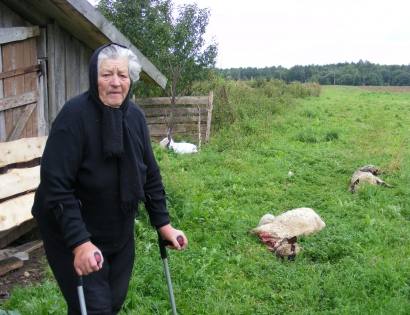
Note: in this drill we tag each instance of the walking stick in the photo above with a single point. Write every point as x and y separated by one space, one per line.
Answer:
163 251
80 289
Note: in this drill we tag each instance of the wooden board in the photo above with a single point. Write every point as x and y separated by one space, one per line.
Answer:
13 34
160 130
22 150
21 250
68 60
178 119
209 116
183 100
157 112
15 72
18 181
17 100
22 122
3 135
15 56
15 211
9 264
9 236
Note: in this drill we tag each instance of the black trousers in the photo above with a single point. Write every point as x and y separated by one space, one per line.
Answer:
105 290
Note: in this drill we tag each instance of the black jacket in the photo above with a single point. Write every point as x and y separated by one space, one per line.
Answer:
78 198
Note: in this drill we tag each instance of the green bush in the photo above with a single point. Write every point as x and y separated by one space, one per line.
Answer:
238 100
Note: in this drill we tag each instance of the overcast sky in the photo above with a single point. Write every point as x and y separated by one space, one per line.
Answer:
261 33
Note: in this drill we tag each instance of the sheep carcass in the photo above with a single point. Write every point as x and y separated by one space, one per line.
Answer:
366 174
280 233
178 147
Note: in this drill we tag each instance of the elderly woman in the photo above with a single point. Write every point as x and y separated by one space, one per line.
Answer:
97 166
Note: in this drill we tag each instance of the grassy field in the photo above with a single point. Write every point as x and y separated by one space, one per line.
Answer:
359 264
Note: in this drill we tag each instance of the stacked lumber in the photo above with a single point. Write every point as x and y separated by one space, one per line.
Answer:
18 180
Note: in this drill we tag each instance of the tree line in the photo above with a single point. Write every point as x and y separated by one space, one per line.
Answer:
360 73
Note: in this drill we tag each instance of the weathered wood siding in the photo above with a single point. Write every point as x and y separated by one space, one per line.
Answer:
7 19
17 55
68 60
18 60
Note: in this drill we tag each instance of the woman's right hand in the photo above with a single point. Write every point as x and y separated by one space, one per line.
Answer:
86 259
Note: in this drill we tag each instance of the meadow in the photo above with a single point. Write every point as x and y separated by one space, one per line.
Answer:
359 264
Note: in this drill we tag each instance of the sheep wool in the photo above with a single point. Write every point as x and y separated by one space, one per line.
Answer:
281 232
366 174
178 147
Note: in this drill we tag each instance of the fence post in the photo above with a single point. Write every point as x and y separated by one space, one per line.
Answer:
199 126
209 118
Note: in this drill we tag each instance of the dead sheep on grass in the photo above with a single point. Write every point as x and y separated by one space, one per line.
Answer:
366 174
280 233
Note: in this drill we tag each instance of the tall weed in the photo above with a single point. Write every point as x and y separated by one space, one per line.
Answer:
239 100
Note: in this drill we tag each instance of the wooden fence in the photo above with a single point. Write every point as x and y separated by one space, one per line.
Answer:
190 117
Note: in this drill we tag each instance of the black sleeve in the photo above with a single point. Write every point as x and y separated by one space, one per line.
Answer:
59 165
154 189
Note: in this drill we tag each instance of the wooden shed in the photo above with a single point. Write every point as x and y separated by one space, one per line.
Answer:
45 46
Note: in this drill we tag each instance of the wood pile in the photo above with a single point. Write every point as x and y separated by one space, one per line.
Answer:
19 178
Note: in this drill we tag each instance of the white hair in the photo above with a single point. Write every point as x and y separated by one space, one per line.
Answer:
114 51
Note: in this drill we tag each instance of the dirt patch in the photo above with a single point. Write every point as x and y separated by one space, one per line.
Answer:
393 89
33 270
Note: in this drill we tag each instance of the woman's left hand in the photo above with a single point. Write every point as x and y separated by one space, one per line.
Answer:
173 235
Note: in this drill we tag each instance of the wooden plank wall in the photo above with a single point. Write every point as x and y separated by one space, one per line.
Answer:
7 19
190 117
68 60
17 55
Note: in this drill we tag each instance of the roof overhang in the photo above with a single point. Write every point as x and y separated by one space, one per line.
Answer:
81 19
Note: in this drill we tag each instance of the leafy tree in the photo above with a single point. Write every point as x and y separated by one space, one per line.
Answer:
374 78
173 42
346 79
401 78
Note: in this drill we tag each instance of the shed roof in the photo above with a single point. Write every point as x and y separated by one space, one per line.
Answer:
86 23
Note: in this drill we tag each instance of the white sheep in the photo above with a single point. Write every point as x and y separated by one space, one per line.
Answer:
366 174
280 233
178 147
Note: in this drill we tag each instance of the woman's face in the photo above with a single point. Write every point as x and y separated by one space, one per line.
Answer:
113 81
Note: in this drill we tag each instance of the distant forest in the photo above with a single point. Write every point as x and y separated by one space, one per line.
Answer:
360 73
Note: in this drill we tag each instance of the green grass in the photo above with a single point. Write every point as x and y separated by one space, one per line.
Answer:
359 264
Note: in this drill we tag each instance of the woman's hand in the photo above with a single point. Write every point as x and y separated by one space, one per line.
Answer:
168 233
86 259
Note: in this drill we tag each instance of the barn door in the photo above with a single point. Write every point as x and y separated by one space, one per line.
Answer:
19 84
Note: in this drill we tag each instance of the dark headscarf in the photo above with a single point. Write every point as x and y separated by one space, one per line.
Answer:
116 140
